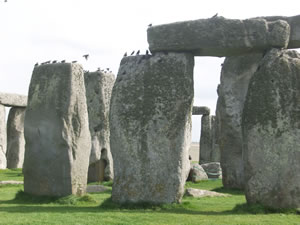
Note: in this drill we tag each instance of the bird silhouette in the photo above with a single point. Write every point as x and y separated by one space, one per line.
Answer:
125 54
54 61
147 52
63 61
132 53
98 69
215 15
150 25
107 69
138 52
36 64
74 61
5 0
47 62
86 56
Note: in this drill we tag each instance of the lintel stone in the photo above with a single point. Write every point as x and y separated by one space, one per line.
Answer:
201 110
11 100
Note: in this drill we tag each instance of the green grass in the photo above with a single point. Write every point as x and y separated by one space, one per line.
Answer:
16 207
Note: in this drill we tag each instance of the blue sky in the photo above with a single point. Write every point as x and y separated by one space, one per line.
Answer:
40 30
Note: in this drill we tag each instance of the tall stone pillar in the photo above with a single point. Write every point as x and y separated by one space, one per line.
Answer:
215 155
2 138
235 76
205 139
98 93
58 141
15 137
150 115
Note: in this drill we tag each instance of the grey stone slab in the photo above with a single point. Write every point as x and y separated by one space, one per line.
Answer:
201 110
98 93
12 100
150 116
235 76
3 138
58 141
271 132
219 36
206 139
15 138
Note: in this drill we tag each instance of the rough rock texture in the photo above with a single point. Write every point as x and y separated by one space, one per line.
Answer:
198 193
2 138
12 100
205 139
212 169
271 132
215 155
201 110
219 36
58 141
15 138
294 22
150 115
197 173
96 188
98 93
235 76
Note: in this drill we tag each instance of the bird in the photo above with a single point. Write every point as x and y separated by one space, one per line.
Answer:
47 62
215 15
107 69
147 52
74 61
138 52
36 64
54 61
5 0
86 56
150 25
125 54
132 53
63 61
98 69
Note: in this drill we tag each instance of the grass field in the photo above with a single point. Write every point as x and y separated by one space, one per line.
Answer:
18 208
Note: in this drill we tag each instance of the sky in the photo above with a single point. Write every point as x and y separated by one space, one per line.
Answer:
41 30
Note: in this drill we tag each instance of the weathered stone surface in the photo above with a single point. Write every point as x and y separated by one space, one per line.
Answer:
197 173
198 193
235 76
219 36
15 138
96 188
201 110
98 93
12 100
215 155
5 182
294 22
205 139
58 140
2 138
271 132
212 169
150 116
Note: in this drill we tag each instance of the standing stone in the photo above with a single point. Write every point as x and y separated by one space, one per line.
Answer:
271 132
15 138
150 115
58 141
205 139
235 76
98 93
215 155
2 138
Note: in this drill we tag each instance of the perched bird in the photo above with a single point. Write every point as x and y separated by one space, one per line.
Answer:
86 56
36 64
215 15
150 25
98 69
132 53
125 54
147 52
47 62
74 61
54 61
107 69
138 52
63 61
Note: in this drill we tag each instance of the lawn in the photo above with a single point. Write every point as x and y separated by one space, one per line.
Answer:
19 208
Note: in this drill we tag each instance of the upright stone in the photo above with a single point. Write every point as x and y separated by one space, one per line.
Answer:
271 132
215 155
15 138
2 138
205 139
58 140
150 114
235 76
98 93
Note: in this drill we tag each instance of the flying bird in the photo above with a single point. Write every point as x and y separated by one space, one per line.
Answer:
86 56
132 53
215 15
138 52
125 54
